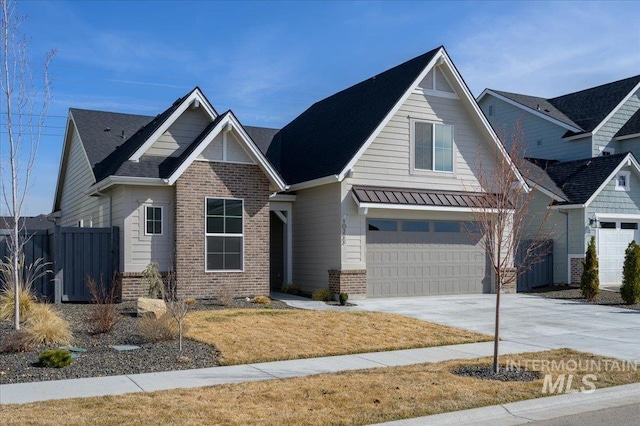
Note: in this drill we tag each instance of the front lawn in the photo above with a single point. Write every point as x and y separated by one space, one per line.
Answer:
246 336
361 397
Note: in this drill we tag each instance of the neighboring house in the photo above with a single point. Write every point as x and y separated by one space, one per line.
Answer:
29 223
380 179
587 143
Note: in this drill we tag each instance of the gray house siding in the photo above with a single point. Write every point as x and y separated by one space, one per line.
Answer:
604 137
543 223
543 138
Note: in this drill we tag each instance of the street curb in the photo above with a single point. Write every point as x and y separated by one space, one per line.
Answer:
533 410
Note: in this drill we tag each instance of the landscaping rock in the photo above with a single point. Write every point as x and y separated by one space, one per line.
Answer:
151 307
504 374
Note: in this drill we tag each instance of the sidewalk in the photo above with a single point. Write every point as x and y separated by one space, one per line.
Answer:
149 382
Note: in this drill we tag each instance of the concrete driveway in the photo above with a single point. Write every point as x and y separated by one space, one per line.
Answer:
532 320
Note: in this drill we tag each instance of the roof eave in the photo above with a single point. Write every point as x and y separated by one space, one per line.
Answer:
125 180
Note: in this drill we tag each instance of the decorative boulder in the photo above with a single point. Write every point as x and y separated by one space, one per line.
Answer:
151 307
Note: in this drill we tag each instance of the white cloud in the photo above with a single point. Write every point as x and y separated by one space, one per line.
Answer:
549 49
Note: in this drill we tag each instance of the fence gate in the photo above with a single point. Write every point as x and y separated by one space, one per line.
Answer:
538 271
38 246
82 253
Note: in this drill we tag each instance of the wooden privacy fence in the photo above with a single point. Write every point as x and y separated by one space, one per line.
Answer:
538 269
72 255
38 246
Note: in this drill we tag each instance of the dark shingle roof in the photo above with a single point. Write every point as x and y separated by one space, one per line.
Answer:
534 170
323 139
580 179
585 109
112 162
631 127
99 143
262 136
590 107
539 104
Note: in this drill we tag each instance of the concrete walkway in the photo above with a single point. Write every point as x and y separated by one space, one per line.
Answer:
149 382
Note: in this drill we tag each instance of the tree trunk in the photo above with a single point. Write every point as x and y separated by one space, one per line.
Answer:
496 339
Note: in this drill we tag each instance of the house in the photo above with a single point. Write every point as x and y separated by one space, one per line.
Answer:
583 148
366 192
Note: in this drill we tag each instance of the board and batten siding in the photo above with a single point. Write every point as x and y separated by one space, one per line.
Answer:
603 138
543 139
180 134
387 160
316 236
75 204
141 249
235 153
543 224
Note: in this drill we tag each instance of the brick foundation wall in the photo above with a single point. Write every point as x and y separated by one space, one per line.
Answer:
348 281
576 269
221 180
511 281
132 286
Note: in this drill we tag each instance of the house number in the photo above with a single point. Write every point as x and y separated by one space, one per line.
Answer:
344 229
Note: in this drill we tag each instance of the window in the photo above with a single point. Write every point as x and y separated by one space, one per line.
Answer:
415 226
153 220
446 226
629 225
622 181
433 146
223 234
606 151
490 110
608 225
382 225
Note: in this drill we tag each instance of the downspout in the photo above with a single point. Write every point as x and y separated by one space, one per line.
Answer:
566 237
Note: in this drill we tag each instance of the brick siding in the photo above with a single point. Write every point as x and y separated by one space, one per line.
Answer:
221 180
352 282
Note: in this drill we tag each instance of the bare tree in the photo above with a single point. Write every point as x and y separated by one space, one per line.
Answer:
502 215
25 109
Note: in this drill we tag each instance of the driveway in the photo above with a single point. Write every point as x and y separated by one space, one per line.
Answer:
547 323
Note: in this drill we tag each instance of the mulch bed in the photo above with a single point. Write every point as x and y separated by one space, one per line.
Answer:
100 359
606 297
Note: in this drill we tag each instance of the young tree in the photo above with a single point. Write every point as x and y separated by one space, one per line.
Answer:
24 112
502 215
630 289
590 278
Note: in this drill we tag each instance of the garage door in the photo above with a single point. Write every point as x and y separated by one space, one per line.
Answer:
613 239
406 258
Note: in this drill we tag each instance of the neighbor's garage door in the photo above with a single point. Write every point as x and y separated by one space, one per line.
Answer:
613 239
406 258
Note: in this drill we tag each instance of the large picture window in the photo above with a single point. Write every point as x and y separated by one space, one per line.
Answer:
223 234
433 146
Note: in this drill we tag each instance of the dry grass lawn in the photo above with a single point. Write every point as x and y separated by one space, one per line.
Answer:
362 397
259 335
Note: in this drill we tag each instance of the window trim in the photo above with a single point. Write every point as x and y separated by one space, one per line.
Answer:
206 234
412 154
627 178
146 219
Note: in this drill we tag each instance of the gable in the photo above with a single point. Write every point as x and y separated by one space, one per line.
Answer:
184 130
436 83
226 147
389 160
611 200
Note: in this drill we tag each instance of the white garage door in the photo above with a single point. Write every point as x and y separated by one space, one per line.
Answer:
613 239
407 257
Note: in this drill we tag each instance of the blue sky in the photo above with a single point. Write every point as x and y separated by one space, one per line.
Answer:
269 61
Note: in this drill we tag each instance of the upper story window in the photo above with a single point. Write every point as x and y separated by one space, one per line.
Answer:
433 146
622 181
153 220
224 237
